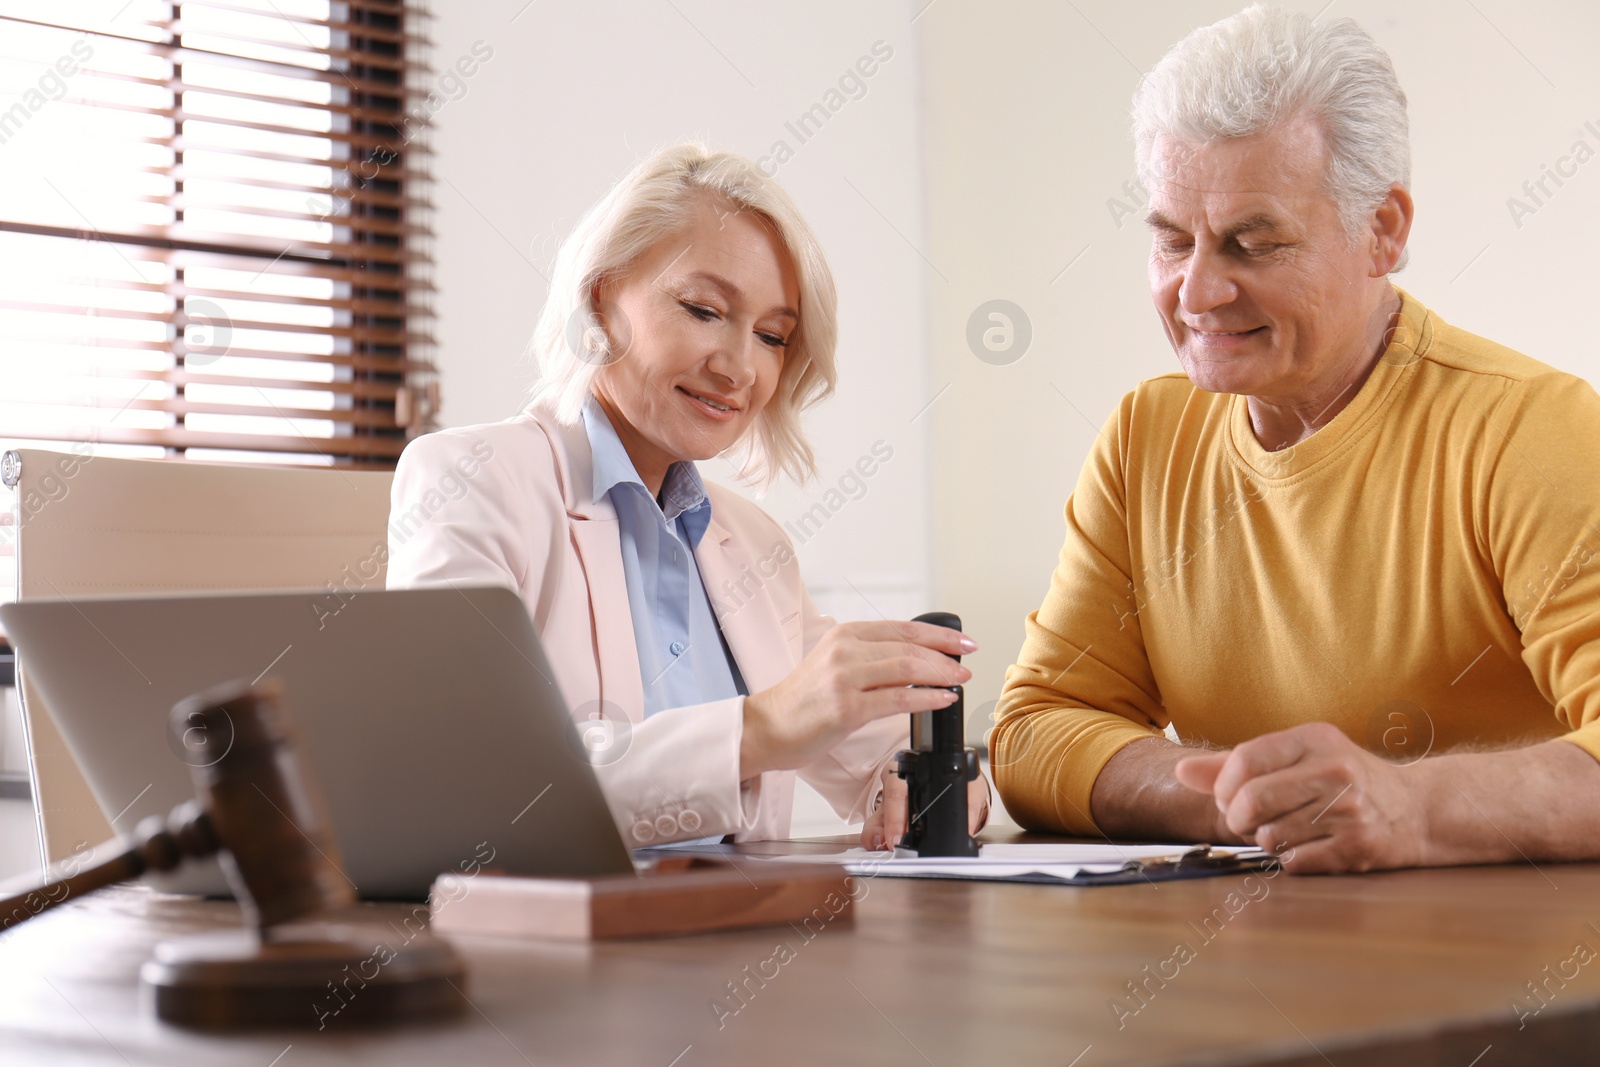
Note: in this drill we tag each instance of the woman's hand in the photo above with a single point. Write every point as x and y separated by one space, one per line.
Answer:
887 824
857 673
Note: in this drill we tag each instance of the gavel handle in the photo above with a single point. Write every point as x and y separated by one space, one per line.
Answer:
23 906
159 845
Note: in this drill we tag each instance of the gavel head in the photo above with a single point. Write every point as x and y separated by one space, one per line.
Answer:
280 855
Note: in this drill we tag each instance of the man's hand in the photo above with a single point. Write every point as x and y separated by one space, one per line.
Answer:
1318 799
887 824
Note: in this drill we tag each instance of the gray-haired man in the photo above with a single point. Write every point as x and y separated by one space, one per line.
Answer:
1347 531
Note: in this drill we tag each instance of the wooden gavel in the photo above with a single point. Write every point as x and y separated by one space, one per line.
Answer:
281 868
267 824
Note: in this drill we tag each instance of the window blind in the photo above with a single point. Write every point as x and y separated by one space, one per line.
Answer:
215 229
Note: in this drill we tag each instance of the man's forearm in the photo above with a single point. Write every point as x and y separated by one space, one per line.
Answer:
1137 796
1535 803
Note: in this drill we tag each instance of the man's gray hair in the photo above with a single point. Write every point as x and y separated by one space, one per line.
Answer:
1265 66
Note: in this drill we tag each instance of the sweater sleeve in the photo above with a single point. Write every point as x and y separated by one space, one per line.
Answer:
1540 514
1082 687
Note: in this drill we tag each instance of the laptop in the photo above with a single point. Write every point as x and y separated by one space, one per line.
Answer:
429 717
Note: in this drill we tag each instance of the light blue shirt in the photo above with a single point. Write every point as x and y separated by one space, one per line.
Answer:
683 659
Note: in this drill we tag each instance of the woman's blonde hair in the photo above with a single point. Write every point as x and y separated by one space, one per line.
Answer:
655 199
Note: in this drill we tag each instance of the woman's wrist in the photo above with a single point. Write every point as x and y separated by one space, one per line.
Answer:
753 758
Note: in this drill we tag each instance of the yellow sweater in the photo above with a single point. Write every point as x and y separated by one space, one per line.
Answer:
1421 572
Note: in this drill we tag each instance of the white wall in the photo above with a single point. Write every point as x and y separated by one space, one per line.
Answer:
1027 141
576 93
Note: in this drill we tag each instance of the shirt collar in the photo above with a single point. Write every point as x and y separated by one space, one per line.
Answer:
683 492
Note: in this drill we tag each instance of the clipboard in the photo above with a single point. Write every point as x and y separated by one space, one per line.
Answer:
1202 861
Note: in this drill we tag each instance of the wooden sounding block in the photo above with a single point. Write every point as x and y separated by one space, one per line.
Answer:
318 972
679 895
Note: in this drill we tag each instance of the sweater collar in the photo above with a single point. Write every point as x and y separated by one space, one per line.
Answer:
1409 342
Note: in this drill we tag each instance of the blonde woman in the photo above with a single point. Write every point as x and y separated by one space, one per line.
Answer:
691 315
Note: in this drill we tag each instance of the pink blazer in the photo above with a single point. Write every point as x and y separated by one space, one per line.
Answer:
509 503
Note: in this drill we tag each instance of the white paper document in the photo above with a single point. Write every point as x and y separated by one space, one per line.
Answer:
1002 862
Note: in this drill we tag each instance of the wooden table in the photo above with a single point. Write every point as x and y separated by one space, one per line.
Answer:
1413 968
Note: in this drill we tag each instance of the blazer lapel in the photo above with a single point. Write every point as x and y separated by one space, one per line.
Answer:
599 549
600 552
748 608
745 607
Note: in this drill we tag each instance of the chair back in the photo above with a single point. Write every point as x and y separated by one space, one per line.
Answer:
95 526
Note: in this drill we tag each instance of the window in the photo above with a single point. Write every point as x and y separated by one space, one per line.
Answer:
214 229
